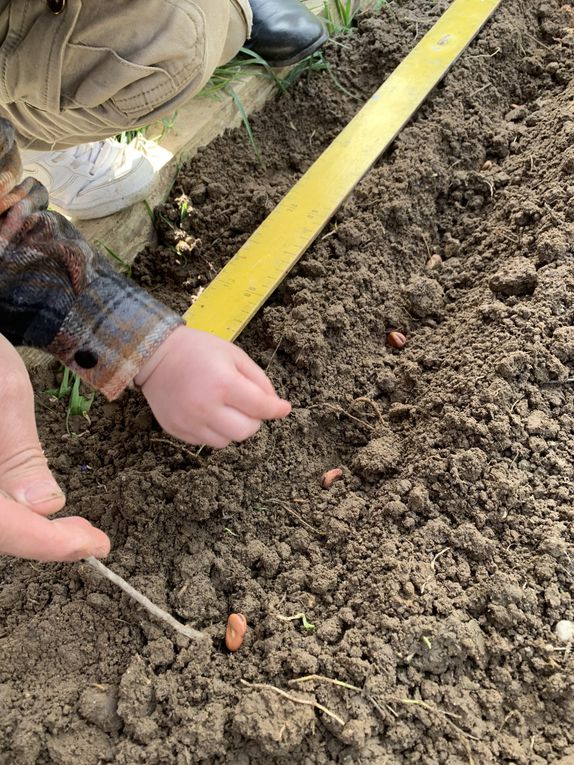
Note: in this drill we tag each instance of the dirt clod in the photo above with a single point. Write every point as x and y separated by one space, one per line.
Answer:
517 277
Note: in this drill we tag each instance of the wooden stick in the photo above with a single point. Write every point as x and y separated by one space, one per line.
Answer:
156 611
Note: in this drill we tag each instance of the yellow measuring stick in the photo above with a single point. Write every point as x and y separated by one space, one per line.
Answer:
245 283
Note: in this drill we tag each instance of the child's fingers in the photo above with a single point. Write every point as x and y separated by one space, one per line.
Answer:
25 534
233 424
209 437
214 439
253 372
251 400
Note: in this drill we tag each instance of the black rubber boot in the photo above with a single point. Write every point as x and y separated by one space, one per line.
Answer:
284 31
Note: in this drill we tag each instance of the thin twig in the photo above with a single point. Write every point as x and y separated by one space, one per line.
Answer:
301 520
479 90
323 678
462 734
274 353
440 713
537 41
508 717
366 400
433 568
158 612
195 455
340 410
343 684
290 697
437 556
378 706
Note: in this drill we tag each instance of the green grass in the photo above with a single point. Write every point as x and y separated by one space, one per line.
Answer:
128 135
183 206
124 267
78 405
342 20
224 79
248 63
222 83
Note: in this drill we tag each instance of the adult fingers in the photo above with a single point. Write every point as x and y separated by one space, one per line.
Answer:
25 534
24 472
26 477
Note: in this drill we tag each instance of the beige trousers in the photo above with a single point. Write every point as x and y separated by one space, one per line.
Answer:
103 66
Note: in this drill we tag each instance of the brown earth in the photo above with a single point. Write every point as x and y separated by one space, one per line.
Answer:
436 569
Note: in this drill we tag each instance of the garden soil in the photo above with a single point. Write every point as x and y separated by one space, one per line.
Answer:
434 571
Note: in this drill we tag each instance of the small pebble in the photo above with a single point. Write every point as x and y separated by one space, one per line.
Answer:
433 262
565 631
487 165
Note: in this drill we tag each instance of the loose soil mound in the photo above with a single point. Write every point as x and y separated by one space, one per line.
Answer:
435 570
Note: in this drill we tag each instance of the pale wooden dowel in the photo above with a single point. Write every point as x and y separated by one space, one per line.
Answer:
158 612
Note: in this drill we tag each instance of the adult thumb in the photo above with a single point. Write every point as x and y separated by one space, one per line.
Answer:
26 534
24 471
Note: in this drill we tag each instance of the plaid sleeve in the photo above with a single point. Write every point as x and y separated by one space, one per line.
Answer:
60 295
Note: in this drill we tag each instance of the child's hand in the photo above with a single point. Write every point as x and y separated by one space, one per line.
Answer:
205 390
28 491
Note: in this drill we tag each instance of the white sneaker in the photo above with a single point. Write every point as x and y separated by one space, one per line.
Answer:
93 179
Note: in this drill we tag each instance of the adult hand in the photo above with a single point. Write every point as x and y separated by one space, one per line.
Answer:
28 491
205 390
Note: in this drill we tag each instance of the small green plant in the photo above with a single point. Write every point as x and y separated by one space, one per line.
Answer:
78 405
245 118
183 206
167 123
314 63
247 63
342 21
307 626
